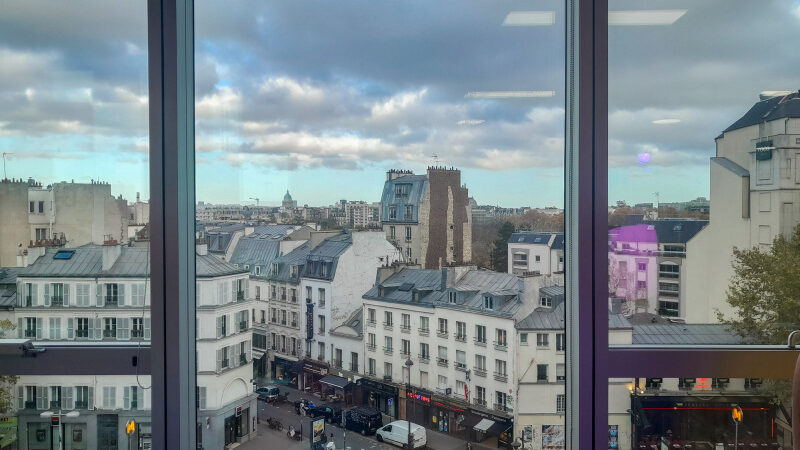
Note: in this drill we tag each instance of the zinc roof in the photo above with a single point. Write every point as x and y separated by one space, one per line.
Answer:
686 334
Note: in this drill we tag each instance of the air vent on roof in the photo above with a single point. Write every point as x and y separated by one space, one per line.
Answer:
64 254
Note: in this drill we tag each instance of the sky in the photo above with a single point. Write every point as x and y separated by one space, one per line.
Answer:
321 98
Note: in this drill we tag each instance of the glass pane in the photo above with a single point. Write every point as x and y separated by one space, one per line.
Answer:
380 218
698 413
74 214
704 146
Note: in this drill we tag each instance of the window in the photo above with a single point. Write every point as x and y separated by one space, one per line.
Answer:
480 334
461 359
371 340
41 207
451 296
642 267
258 270
82 327
112 294
424 324
442 326
561 342
480 395
409 216
321 351
523 338
55 328
546 302
392 234
561 372
442 382
561 403
542 340
480 363
408 253
31 207
321 297
488 302
501 401
387 371
371 316
321 321
83 397
371 365
538 258
402 190
406 321
501 338
500 368
406 349
387 318
408 233
110 328
461 331
387 343
293 297
283 293
393 212
424 351
541 372
137 327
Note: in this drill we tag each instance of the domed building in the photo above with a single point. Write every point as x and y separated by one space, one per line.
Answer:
288 204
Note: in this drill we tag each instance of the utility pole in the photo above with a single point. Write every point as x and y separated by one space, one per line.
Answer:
5 177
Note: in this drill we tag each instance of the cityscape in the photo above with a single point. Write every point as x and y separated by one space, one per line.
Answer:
397 306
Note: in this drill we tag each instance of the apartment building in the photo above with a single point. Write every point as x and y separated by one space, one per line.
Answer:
536 252
449 335
755 196
64 213
428 217
98 294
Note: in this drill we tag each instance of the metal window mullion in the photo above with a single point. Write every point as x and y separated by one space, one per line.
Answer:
171 79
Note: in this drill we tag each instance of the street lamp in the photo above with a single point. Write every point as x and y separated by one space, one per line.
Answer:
409 441
60 415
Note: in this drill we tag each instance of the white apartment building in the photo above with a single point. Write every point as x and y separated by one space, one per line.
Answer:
98 294
456 326
755 196
536 252
348 347
633 269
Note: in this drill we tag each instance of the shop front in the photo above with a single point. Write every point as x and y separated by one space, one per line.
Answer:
337 389
313 372
380 396
489 429
285 372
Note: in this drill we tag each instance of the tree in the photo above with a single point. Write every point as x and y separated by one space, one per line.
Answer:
765 296
6 382
765 291
500 251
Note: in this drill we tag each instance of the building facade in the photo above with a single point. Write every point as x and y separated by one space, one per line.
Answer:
536 252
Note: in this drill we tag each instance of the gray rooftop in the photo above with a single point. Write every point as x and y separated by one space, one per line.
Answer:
87 261
553 319
769 109
296 257
209 266
686 334
8 287
731 166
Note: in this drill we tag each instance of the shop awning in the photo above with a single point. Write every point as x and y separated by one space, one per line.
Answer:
497 429
335 381
484 425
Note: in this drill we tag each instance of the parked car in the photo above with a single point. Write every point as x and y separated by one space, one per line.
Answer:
268 393
362 419
330 413
397 433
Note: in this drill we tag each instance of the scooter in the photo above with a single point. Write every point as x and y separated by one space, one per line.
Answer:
294 434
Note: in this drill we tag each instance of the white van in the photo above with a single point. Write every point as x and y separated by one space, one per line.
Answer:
397 433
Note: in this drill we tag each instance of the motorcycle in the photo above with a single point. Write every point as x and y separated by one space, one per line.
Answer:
274 424
294 434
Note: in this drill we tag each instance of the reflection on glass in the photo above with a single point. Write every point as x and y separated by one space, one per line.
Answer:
712 413
393 209
74 256
703 170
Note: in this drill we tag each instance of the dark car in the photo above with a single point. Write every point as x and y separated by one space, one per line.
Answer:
330 413
361 419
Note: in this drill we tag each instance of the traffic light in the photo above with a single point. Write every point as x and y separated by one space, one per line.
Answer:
130 427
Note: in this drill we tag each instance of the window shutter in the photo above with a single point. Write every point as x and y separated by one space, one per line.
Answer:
233 286
121 294
247 349
70 328
100 287
38 328
41 397
246 288
147 328
90 401
66 294
20 327
219 360
35 294
46 294
20 294
98 328
235 352
123 329
126 397
20 397
140 398
144 293
219 327
69 401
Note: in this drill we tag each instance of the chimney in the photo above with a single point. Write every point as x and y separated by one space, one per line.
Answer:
111 251
201 248
137 197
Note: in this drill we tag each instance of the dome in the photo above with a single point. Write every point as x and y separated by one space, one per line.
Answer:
287 197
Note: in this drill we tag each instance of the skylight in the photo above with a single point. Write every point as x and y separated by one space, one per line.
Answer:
64 254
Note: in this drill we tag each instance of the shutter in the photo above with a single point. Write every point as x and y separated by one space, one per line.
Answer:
70 328
35 294
69 400
38 328
121 294
20 397
20 327
233 289
140 398
98 328
123 329
100 287
20 294
46 294
147 328
219 360
41 397
247 349
90 401
219 327
247 288
126 397
143 288
66 294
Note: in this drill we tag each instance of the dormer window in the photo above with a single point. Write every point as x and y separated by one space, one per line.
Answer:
258 270
393 212
488 302
452 296
294 270
274 268
409 211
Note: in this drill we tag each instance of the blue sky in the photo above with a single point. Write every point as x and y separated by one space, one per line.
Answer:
321 98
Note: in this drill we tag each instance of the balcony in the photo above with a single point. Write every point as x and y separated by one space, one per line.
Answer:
239 296
78 404
441 333
460 337
111 302
424 331
57 300
424 359
294 299
405 329
388 326
442 362
110 334
55 404
242 325
479 372
387 350
387 378
242 359
501 346
371 347
30 334
283 297
283 322
294 324
480 342
500 407
668 312
479 402
225 364
405 354
337 363
668 275
502 377
371 322
461 366
30 404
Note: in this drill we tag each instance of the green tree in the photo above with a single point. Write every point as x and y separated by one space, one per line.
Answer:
765 291
6 382
500 250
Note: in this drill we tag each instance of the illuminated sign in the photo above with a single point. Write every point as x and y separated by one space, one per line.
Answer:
703 384
130 427
420 397
238 411
737 414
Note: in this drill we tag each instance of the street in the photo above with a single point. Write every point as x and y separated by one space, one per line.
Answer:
274 439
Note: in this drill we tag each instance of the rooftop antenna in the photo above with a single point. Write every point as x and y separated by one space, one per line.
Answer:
5 177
